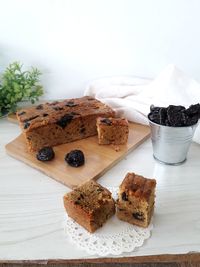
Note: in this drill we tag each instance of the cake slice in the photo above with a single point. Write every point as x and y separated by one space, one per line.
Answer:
112 131
90 205
135 204
57 123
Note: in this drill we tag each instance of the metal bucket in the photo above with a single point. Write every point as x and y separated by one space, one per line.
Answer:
171 144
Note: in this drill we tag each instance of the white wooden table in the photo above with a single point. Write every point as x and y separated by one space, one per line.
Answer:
31 208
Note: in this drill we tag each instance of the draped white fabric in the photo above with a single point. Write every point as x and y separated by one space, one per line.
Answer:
131 97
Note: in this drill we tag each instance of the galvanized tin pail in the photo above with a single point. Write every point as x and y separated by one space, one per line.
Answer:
171 144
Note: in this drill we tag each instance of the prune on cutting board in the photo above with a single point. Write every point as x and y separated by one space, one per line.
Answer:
45 154
75 158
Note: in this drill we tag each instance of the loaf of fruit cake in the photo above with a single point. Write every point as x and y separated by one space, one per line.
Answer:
56 123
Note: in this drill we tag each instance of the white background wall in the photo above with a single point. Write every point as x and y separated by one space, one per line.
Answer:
75 41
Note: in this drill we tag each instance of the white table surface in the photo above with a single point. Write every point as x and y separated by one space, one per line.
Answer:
31 208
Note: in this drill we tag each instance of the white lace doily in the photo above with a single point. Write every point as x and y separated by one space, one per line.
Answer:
115 237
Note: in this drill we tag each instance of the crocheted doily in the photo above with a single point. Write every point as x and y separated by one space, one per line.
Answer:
115 237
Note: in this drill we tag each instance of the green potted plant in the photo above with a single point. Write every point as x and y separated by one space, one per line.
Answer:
17 85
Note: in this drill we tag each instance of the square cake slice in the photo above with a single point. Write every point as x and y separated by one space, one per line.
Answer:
90 205
135 204
112 131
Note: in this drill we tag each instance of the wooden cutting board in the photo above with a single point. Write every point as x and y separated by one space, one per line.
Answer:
98 158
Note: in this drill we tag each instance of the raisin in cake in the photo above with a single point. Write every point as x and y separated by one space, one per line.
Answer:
90 205
112 131
56 123
135 204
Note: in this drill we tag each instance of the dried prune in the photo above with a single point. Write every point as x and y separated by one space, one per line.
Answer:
99 189
175 116
71 104
31 118
21 113
74 113
154 109
184 117
27 121
155 117
124 196
81 195
173 108
57 108
45 154
26 125
82 130
163 115
106 121
39 107
138 216
65 120
75 158
191 120
193 110
176 120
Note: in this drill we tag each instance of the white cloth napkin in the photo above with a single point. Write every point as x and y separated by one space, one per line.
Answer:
131 97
